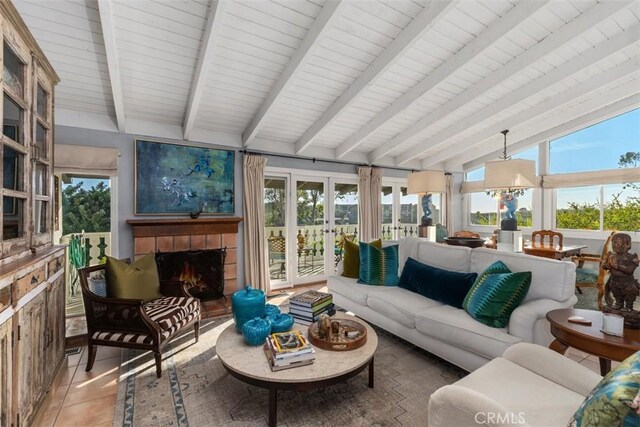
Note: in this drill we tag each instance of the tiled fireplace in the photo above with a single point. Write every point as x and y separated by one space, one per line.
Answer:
174 235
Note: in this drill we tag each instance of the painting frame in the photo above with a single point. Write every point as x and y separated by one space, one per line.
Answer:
172 178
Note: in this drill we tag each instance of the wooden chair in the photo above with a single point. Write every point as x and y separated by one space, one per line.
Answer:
539 237
595 276
132 323
465 233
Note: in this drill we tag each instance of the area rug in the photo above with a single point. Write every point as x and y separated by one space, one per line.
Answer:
195 389
588 299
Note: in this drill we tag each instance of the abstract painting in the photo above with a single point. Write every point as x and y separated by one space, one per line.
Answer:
180 179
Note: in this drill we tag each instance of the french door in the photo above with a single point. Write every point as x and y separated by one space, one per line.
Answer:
307 219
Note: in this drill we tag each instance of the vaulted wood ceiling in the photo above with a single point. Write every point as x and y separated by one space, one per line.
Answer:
411 83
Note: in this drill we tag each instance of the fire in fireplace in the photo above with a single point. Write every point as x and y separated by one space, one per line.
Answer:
202 271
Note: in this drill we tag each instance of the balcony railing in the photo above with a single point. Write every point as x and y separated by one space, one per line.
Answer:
96 247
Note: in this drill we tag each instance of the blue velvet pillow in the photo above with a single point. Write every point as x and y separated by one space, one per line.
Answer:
378 266
448 287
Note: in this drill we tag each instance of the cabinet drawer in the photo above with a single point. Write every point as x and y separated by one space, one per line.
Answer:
30 281
56 265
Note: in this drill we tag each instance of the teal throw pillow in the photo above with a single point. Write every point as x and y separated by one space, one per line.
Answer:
615 401
495 294
378 266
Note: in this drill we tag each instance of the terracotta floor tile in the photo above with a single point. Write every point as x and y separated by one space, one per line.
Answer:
74 359
103 352
102 386
100 368
46 418
90 413
593 365
65 375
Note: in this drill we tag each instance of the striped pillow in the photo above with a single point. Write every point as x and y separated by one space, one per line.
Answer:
495 294
378 266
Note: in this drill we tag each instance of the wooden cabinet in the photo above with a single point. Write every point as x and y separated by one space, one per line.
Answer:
32 289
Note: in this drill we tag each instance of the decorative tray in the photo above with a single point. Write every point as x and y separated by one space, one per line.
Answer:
343 335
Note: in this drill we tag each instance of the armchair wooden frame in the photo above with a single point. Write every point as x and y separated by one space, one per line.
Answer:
120 315
602 273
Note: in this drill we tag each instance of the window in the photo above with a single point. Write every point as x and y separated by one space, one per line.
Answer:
601 207
483 209
598 147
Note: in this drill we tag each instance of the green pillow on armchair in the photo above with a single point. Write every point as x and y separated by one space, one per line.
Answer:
139 280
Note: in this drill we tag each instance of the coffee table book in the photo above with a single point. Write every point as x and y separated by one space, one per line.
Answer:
279 367
310 298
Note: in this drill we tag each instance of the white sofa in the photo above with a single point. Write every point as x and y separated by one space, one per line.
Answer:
449 332
528 386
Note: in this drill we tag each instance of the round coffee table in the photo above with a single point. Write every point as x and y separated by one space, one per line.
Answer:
249 364
589 338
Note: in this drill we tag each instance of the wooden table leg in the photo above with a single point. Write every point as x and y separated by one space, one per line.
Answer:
557 346
273 407
371 373
605 366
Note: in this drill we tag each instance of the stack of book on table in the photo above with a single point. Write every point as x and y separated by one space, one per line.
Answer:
307 306
286 350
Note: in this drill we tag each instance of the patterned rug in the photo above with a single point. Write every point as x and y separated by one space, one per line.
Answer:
195 389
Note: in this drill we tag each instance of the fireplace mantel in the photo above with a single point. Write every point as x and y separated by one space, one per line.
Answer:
185 234
183 226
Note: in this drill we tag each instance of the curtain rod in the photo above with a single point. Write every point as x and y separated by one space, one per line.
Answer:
314 160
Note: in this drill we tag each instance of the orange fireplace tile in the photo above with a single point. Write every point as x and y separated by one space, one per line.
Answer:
165 243
198 242
230 286
214 241
230 240
181 243
231 256
144 245
230 271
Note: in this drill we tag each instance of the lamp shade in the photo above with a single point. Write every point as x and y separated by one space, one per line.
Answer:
426 182
512 173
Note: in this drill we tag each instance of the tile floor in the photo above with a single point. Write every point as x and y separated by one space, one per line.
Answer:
79 398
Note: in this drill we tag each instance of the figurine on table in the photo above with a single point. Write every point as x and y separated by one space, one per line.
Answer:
621 264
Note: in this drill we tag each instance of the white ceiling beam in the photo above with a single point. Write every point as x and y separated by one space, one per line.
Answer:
611 104
560 73
515 16
412 33
109 36
534 54
530 114
331 11
205 62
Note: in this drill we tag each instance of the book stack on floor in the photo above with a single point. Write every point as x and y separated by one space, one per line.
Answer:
307 306
286 350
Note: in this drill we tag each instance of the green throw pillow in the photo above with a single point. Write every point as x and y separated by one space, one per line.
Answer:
378 266
615 401
351 264
495 294
139 280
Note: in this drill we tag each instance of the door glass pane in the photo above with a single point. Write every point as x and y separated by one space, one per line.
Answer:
345 217
12 172
387 213
42 102
310 222
275 215
41 179
408 214
12 120
40 216
13 218
13 71
436 208
41 141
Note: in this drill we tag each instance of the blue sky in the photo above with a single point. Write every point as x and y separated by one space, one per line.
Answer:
87 183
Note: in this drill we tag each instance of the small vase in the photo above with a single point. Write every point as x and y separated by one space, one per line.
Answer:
281 322
256 331
271 310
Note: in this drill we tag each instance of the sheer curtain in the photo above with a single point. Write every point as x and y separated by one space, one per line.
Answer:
256 267
370 209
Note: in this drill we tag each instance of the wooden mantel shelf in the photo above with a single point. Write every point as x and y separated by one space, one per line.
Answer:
183 226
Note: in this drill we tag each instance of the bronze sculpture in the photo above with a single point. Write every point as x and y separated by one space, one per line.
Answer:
621 288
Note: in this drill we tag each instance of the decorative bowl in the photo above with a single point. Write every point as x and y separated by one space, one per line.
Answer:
255 331
247 304
281 322
470 242
271 310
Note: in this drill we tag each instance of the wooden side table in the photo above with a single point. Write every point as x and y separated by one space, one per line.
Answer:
589 338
